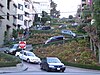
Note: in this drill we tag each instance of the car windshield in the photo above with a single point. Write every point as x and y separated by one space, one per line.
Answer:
30 54
13 46
53 60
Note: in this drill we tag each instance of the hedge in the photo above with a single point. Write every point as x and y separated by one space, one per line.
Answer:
94 67
7 60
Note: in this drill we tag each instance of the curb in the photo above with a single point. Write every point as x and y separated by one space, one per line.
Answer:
17 68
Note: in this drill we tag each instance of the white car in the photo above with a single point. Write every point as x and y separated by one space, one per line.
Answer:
63 26
28 56
68 32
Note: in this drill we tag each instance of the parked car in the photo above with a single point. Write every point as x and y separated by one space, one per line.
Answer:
68 32
15 48
46 28
28 56
63 26
54 38
52 64
12 49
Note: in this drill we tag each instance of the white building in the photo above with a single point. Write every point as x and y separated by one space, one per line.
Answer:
42 6
25 13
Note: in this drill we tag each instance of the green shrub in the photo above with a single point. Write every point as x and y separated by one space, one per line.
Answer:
94 67
8 60
80 28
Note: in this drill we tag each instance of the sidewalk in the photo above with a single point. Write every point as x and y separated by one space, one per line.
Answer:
17 68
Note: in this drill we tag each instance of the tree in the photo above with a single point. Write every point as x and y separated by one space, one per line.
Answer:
36 19
70 17
96 16
94 30
53 12
45 17
86 14
15 33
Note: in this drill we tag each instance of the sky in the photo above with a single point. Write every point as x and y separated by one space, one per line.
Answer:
66 7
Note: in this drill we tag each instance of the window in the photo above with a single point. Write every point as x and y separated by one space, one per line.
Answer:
20 17
14 20
26 14
83 5
14 8
1 6
25 22
0 23
26 5
8 16
33 7
8 4
20 6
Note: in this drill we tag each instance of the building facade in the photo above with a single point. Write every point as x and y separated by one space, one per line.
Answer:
25 13
85 2
41 6
14 14
6 19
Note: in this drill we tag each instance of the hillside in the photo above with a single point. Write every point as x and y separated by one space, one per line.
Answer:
74 52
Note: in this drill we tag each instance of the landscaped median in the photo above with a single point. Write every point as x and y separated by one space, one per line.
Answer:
7 60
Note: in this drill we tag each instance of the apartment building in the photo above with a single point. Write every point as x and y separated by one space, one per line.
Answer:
41 6
1 21
6 19
14 14
85 2
25 13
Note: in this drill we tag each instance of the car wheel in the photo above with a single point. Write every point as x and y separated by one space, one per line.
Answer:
41 67
18 56
48 70
28 60
61 70
6 52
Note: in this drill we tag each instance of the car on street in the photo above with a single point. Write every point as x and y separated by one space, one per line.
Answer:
68 32
43 28
52 64
12 49
46 28
54 39
15 48
28 56
63 26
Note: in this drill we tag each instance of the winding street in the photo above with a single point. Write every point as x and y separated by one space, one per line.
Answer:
69 69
